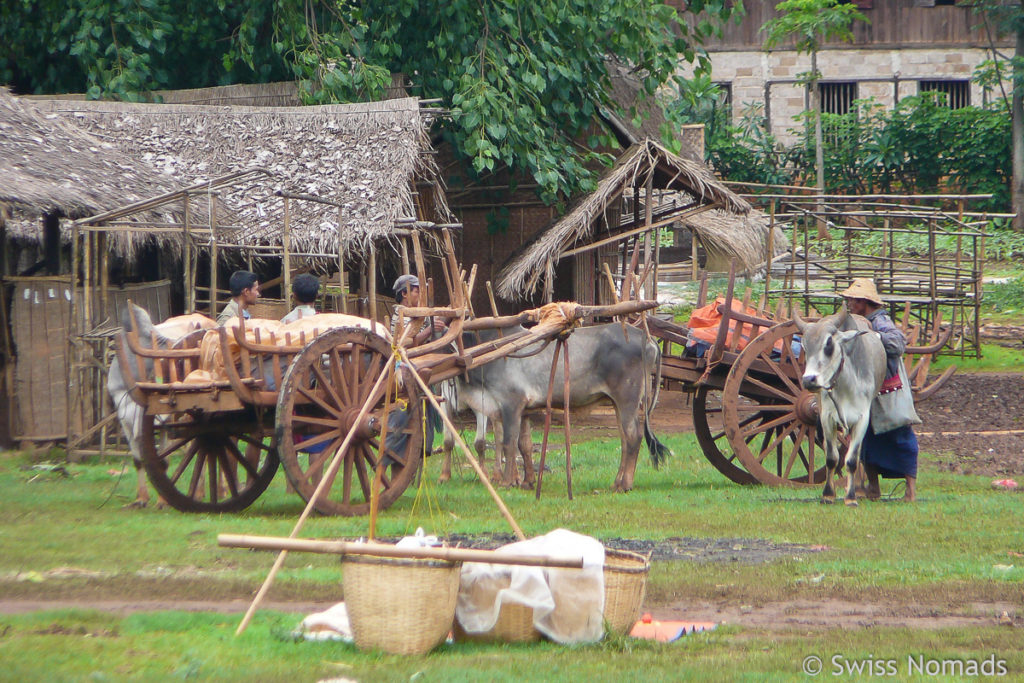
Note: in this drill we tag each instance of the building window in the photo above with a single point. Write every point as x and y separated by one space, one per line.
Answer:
958 93
838 97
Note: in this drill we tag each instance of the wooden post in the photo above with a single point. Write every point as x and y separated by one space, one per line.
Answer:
694 265
104 275
771 250
650 235
213 259
286 266
372 287
547 418
87 284
565 417
190 276
341 268
405 255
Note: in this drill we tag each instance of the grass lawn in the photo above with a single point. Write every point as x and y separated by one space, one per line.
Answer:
65 538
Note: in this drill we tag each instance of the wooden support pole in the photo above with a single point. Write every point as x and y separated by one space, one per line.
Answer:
213 259
329 475
104 276
547 418
565 417
372 286
87 284
286 266
190 278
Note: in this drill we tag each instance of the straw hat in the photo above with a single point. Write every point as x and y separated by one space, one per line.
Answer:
863 288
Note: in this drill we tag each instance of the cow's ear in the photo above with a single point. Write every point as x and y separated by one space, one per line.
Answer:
846 338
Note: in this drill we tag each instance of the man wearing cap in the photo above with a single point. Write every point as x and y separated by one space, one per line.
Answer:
407 293
890 445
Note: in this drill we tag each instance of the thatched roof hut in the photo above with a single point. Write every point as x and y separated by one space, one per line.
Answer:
368 160
523 271
50 167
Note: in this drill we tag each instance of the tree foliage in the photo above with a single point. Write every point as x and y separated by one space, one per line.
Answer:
524 79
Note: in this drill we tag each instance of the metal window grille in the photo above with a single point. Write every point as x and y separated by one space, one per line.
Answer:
838 97
958 92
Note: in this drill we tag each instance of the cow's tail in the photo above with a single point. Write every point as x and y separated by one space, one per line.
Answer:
659 451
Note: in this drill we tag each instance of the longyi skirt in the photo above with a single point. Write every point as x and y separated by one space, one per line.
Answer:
893 453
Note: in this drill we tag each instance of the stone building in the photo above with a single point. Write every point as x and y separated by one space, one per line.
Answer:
909 47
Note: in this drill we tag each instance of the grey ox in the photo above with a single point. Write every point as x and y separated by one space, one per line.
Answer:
845 365
605 362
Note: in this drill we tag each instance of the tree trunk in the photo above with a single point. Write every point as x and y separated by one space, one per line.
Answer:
819 149
1017 112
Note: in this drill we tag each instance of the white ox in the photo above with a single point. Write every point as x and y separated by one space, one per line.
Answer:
845 365
130 413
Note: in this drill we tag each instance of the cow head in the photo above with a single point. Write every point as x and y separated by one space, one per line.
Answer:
825 346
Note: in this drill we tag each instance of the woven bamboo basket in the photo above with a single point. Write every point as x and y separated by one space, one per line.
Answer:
625 584
401 606
514 625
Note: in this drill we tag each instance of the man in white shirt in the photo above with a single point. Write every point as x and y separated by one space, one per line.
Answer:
305 289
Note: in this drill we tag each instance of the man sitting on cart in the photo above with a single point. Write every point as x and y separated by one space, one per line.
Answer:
245 290
407 293
889 448
305 289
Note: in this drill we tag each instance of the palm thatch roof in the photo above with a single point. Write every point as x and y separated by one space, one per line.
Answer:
363 159
726 236
523 271
48 166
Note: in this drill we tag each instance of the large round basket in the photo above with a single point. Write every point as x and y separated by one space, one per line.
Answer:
625 584
514 625
401 606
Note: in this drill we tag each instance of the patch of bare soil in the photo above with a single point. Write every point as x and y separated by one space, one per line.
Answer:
975 424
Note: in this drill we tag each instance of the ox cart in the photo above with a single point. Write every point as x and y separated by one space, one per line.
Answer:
214 445
754 421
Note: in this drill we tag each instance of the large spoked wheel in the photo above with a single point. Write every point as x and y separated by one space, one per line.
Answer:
208 463
770 421
321 395
709 426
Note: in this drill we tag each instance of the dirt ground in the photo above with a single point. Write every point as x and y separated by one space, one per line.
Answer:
975 425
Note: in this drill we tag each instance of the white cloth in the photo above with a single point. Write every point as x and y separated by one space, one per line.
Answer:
301 311
568 604
331 624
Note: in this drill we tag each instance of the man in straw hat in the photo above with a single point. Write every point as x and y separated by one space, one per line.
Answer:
890 445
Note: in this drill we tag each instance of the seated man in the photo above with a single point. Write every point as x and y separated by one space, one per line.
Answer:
245 291
305 289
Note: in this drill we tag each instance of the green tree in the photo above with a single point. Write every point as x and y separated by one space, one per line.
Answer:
1001 18
523 79
809 23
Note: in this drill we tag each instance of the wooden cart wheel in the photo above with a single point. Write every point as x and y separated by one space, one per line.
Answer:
771 422
321 396
708 424
200 465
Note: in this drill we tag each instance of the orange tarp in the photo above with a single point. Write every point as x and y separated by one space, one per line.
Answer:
704 323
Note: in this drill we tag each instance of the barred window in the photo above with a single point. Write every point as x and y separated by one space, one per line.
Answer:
958 92
837 96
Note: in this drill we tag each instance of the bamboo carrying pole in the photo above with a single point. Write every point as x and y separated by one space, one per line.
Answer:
328 477
386 550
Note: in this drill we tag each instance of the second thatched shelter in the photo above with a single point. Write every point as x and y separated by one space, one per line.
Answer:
592 231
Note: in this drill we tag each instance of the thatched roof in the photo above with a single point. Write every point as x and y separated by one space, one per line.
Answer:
363 158
726 236
48 166
523 271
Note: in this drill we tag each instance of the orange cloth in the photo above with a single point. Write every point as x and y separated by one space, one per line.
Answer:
704 323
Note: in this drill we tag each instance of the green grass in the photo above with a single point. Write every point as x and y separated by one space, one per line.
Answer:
91 646
61 540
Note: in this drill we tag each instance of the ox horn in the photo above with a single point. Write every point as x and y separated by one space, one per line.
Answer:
801 324
841 315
